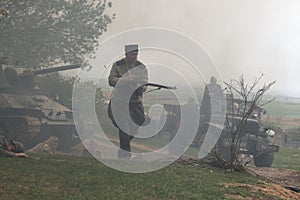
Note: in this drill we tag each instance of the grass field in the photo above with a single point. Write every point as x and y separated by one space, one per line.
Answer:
283 115
68 177
287 158
283 109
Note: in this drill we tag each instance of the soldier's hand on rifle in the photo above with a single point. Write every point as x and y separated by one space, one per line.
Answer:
144 88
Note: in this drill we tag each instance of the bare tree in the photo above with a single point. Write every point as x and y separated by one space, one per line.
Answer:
250 99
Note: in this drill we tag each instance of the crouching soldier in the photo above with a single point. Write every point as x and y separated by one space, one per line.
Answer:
11 149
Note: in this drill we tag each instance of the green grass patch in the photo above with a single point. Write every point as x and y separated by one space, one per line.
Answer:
283 109
287 158
68 177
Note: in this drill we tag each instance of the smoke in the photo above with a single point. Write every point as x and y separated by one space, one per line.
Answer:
242 37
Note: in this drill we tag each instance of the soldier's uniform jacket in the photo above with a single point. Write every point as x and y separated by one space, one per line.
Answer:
120 93
3 145
213 91
212 100
121 68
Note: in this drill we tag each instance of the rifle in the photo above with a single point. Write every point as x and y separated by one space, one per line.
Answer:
158 87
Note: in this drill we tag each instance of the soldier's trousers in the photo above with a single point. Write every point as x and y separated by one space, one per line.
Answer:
125 140
136 111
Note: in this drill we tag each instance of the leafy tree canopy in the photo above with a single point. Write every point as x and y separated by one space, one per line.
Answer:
42 33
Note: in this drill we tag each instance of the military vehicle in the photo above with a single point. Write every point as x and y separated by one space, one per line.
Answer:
29 116
254 139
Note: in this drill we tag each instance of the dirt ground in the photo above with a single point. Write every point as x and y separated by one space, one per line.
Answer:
284 177
272 189
282 183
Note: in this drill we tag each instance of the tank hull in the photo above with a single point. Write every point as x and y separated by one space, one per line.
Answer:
34 118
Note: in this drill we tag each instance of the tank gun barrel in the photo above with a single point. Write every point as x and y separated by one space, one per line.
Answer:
16 77
55 69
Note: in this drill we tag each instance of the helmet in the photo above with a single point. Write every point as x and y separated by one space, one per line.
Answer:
19 147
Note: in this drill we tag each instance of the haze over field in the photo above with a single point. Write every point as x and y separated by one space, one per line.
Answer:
241 37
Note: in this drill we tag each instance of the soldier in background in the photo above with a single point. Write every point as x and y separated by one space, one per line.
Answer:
212 93
212 103
11 149
128 73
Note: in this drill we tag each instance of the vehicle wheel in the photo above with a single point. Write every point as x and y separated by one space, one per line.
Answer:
264 159
224 152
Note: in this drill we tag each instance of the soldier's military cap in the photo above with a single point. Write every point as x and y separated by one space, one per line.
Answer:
131 47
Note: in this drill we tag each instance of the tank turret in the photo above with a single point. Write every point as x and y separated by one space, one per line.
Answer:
22 78
31 117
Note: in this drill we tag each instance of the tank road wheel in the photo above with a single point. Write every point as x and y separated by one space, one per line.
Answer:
6 129
68 140
264 159
21 133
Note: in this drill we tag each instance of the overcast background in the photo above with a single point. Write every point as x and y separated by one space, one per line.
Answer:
241 36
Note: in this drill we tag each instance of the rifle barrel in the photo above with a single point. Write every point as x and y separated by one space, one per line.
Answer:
160 86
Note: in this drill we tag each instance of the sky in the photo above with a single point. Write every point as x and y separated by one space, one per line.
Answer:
246 37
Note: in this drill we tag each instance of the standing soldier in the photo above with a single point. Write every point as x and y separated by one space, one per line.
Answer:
127 76
212 103
212 99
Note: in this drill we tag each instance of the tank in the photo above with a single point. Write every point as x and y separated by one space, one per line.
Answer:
255 139
29 116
